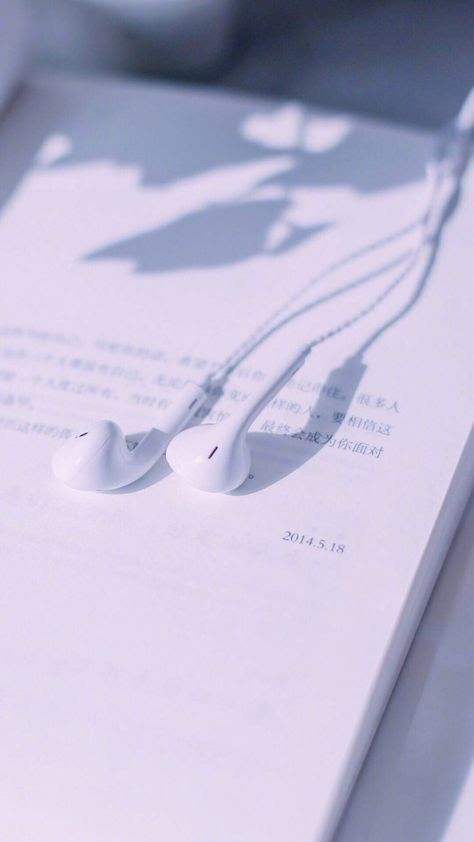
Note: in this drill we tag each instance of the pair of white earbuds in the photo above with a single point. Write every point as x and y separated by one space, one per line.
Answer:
216 457
211 457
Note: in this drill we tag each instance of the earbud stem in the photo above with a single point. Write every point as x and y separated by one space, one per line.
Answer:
187 403
270 387
153 445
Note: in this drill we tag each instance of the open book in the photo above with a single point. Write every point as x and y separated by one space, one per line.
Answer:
179 665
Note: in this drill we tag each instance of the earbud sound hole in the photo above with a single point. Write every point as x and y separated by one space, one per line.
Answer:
213 451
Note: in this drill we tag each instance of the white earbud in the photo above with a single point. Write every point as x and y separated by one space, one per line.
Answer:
100 460
216 457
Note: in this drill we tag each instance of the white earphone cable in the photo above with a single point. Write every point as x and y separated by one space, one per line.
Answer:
445 173
269 324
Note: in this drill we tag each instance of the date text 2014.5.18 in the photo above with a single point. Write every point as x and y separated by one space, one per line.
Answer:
313 542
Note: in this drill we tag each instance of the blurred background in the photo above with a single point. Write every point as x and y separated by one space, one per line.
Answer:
403 60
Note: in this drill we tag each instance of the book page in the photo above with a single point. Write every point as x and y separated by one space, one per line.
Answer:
179 665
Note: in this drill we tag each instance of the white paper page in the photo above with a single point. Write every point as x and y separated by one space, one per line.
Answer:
179 665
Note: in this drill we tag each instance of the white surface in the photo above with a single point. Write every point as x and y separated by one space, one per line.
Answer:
172 662
417 782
